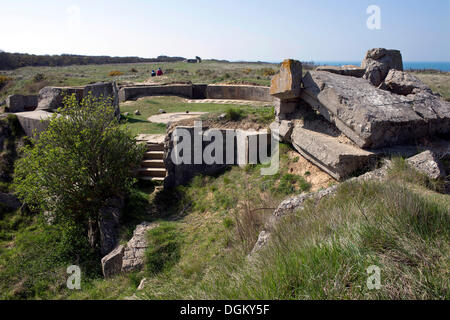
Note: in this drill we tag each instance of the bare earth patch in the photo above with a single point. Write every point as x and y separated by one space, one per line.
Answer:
174 116
314 175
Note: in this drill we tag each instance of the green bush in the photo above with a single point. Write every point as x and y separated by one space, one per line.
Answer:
81 160
234 114
4 80
38 77
115 73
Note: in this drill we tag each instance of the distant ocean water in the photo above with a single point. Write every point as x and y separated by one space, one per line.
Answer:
442 66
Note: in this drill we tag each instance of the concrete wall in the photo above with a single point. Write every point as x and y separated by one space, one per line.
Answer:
130 93
20 103
239 143
34 122
199 91
51 98
253 93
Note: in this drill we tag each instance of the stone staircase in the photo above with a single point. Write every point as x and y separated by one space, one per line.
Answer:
152 166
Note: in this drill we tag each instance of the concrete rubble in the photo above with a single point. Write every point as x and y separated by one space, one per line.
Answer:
369 110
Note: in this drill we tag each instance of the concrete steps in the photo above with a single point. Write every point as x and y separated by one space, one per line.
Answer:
154 155
152 166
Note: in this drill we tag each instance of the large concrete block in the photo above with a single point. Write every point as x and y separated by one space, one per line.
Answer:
287 83
51 98
378 62
34 122
336 158
21 103
372 117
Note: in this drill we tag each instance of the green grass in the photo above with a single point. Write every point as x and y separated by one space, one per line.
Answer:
150 106
323 251
438 82
23 79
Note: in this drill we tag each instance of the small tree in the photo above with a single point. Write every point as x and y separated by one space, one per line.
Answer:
81 160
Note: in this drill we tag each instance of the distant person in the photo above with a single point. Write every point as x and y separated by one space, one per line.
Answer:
159 72
153 73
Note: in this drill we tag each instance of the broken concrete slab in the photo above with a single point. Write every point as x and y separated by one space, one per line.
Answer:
21 103
378 62
403 83
283 108
282 129
336 158
348 70
428 163
287 83
112 262
372 117
134 252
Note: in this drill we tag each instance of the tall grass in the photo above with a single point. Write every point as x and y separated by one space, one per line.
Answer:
323 251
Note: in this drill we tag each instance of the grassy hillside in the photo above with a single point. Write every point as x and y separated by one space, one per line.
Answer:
207 229
29 80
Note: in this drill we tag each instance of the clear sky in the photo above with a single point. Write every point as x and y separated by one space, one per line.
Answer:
314 30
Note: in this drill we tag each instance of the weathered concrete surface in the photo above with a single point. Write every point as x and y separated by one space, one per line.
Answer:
238 92
199 91
134 252
352 71
51 98
109 224
130 93
378 62
249 144
235 146
337 159
130 257
283 130
287 83
428 163
104 90
372 117
112 262
181 173
34 122
21 103
283 108
403 83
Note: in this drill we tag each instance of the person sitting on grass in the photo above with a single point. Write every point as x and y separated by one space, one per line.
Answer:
153 73
159 72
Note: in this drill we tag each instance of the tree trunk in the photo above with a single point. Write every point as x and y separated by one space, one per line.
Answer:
93 233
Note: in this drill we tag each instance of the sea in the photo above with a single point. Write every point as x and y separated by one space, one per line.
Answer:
441 66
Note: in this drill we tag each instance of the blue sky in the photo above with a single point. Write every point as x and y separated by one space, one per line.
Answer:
318 30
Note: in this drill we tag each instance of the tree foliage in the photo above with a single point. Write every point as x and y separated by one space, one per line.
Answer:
81 160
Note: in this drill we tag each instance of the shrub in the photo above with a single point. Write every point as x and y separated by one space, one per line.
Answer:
267 72
288 184
4 80
115 73
38 77
234 114
81 160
